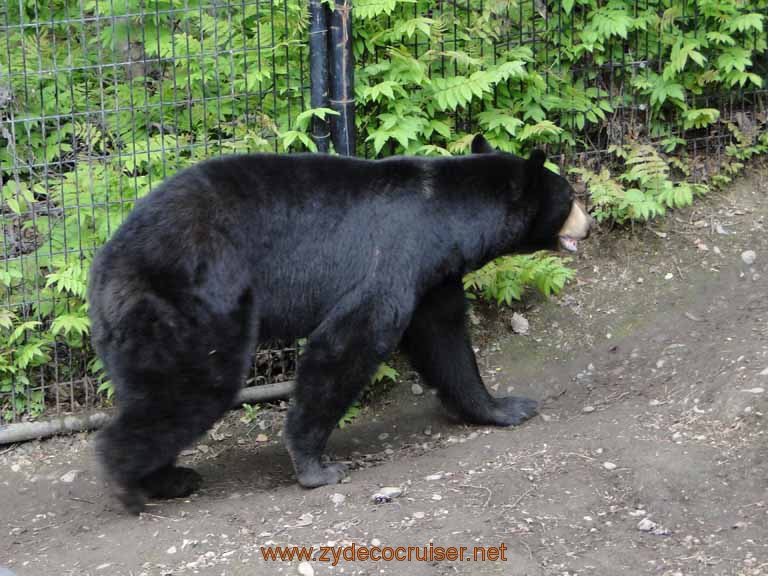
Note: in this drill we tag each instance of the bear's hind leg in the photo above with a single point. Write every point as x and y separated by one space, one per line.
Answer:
174 379
439 347
139 447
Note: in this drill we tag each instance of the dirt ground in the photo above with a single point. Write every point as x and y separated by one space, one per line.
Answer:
653 369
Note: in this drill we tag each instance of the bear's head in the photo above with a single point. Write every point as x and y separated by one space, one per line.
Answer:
559 220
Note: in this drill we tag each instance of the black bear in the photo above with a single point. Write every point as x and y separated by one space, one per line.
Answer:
358 255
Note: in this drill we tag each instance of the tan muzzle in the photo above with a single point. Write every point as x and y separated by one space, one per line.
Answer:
576 227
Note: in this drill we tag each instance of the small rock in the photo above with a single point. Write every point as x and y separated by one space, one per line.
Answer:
171 550
305 519
262 438
764 372
748 257
375 542
433 477
70 476
520 324
338 498
305 569
204 448
386 494
383 436
646 525
609 465
720 230
757 390
436 497
416 389
418 515
588 409
15 467
668 276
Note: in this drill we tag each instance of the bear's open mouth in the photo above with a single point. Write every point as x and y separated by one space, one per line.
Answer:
568 243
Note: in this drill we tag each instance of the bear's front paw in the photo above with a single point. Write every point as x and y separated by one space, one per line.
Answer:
513 410
322 475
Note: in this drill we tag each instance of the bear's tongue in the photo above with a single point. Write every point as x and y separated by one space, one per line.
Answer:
568 243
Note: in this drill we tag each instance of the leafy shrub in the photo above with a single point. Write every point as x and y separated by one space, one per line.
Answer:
505 279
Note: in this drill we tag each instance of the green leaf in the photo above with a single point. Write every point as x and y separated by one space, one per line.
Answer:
457 91
385 372
734 58
350 415
493 119
21 330
719 38
13 204
540 129
368 9
30 354
291 136
700 117
303 120
70 323
610 21
383 90
745 22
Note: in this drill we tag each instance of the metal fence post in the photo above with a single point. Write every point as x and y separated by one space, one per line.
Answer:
342 78
318 70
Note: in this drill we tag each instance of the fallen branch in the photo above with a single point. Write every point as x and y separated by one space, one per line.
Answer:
23 431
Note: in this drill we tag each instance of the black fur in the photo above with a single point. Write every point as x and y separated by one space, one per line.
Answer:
357 255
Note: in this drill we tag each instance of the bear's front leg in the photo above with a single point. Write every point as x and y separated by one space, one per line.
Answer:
440 349
340 358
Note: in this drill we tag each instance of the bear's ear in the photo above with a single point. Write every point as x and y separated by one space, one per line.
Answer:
536 160
481 146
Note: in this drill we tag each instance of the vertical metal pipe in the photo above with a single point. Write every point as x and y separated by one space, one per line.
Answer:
342 78
318 70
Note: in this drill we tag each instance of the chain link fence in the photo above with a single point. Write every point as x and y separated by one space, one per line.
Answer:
102 99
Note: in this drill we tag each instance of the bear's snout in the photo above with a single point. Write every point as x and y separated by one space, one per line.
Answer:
576 227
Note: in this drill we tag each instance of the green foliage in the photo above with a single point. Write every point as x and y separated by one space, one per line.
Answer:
384 372
350 415
643 190
250 413
506 278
